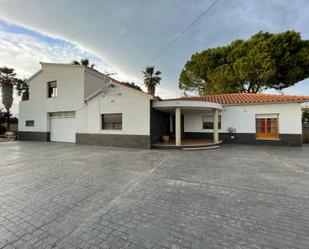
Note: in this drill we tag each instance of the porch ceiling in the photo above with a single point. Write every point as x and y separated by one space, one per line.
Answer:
170 105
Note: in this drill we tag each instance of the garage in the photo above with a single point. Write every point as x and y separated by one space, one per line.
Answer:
62 126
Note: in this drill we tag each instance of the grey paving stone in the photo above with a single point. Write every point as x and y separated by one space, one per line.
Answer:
56 195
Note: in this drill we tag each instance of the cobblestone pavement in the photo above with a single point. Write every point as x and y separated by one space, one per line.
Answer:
55 195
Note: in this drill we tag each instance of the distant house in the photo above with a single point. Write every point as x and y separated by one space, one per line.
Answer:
76 104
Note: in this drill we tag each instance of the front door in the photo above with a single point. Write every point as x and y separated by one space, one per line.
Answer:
267 128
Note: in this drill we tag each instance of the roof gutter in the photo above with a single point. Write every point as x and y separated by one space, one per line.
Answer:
267 103
93 95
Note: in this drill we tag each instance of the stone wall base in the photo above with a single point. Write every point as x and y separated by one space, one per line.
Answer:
249 138
128 141
34 136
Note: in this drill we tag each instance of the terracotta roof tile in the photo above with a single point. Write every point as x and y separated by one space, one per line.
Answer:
246 98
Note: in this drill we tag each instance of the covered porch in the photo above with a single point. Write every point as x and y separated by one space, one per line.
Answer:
181 115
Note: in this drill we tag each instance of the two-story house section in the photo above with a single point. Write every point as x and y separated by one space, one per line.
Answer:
73 103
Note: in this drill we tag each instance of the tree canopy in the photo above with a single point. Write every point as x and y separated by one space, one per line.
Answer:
84 62
132 85
22 88
7 82
305 118
264 61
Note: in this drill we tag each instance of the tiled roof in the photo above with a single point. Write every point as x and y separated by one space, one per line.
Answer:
246 98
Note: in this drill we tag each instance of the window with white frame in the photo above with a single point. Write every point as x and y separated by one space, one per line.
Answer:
112 121
208 121
29 123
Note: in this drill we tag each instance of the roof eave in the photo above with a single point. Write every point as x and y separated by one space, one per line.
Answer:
93 95
34 75
61 64
266 103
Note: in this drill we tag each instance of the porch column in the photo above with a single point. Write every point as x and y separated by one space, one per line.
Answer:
178 126
171 124
216 126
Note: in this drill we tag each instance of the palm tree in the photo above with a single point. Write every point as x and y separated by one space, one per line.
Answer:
7 81
2 120
151 79
84 62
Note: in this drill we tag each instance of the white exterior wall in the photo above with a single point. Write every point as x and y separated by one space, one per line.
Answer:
74 84
135 109
193 120
94 81
243 118
70 95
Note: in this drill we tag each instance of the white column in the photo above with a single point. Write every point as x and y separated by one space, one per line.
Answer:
178 126
171 124
216 127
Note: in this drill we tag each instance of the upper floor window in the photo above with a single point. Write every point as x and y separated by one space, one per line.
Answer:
112 121
208 122
25 96
52 89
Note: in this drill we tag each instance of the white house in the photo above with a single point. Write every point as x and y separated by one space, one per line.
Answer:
73 103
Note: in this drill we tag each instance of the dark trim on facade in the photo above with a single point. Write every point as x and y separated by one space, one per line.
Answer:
305 133
114 140
249 138
34 136
159 124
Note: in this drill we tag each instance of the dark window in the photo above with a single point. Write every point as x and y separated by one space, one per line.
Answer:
52 89
112 121
29 123
25 95
68 114
208 122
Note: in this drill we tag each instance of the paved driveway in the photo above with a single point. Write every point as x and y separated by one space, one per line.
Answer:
55 195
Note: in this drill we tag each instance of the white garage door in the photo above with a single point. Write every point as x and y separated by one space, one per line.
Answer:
62 127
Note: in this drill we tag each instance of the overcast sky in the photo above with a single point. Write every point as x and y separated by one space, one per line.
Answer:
121 36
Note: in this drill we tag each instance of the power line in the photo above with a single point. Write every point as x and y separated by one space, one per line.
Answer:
184 31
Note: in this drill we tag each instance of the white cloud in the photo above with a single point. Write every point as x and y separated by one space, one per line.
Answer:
24 52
